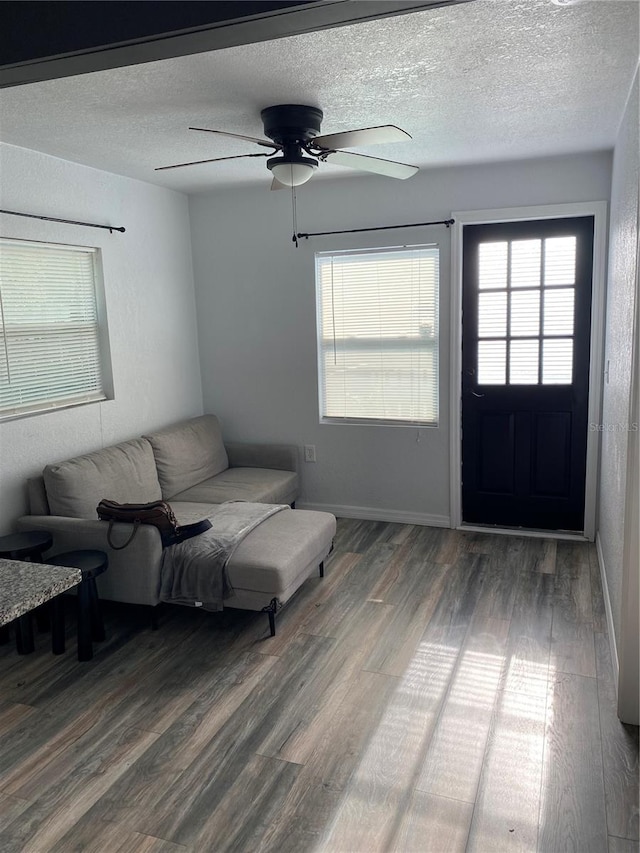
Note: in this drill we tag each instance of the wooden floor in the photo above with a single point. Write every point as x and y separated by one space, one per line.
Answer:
436 691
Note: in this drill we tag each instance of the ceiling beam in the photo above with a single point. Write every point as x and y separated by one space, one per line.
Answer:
142 37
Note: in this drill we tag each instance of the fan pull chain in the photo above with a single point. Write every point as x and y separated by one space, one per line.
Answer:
294 213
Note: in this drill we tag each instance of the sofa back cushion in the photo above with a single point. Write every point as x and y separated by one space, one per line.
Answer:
188 453
124 472
37 495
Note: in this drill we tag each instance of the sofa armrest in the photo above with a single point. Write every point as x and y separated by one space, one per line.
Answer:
133 575
282 457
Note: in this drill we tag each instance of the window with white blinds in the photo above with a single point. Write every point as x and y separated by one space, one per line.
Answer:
50 346
377 317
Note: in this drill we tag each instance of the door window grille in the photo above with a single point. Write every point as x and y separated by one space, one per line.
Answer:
526 304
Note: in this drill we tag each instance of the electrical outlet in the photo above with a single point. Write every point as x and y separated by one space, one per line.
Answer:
309 453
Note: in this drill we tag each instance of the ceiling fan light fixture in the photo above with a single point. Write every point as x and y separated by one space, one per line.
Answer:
292 172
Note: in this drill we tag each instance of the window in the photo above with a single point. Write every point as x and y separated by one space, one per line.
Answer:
526 311
50 353
377 314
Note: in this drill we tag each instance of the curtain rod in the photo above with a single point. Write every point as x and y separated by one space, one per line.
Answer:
110 228
447 222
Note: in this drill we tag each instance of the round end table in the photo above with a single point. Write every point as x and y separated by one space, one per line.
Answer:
90 625
28 546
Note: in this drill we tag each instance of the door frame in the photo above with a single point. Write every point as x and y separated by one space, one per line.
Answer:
597 209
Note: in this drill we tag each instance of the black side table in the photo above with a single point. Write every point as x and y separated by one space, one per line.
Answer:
27 546
90 624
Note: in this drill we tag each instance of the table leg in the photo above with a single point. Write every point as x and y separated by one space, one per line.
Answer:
43 620
24 634
85 647
57 628
97 625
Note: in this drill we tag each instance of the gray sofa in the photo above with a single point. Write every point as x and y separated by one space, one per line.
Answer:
189 466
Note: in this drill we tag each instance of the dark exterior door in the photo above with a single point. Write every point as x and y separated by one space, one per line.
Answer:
525 358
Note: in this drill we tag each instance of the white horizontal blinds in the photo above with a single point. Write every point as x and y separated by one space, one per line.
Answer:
378 334
558 314
492 313
526 299
49 352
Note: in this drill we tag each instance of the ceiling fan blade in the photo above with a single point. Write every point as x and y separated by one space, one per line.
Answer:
364 136
371 164
212 160
262 142
276 185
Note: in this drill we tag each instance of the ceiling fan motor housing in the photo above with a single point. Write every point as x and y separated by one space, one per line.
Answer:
291 124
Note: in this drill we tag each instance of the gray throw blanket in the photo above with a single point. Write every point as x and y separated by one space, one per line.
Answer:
194 572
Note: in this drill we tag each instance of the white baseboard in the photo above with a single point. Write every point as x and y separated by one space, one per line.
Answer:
607 608
368 513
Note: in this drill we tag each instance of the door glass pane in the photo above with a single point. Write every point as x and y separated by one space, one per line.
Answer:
525 313
557 362
523 362
558 311
559 261
492 315
492 265
525 263
492 362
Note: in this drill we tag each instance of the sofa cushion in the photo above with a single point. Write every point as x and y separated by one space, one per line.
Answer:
188 453
273 556
37 494
188 512
124 472
260 485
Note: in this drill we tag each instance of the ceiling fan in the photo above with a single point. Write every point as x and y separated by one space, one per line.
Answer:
297 149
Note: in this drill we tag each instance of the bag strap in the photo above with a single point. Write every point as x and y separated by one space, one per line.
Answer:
136 525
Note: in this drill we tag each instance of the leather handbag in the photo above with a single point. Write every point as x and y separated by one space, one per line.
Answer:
157 513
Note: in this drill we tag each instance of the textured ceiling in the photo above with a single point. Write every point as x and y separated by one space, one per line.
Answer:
486 80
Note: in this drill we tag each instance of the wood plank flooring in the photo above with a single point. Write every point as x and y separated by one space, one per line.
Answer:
437 691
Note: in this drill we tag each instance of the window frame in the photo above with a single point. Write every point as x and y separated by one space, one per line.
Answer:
103 352
434 348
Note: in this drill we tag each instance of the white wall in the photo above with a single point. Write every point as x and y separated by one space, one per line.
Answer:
256 317
615 485
149 301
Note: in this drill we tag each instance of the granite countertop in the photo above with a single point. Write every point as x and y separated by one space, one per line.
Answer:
24 586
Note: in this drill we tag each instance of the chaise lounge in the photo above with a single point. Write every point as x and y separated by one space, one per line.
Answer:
191 467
